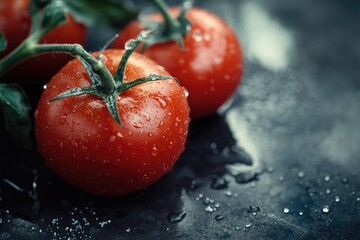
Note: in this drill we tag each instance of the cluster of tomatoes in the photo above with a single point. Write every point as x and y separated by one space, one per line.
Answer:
78 137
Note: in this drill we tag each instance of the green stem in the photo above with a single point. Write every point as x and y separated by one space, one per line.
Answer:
29 49
170 22
77 50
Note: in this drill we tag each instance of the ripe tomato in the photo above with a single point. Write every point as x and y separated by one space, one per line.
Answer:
210 66
81 141
15 25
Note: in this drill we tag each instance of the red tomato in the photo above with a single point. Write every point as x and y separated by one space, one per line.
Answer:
80 140
211 65
15 24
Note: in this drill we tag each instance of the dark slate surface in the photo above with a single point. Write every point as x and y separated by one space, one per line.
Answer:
279 161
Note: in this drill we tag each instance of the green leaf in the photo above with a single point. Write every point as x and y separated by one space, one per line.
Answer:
15 106
109 12
3 42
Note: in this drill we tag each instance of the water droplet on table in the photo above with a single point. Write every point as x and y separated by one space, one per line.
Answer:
175 217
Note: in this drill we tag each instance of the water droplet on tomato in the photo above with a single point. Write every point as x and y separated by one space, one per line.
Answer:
130 133
207 37
147 116
119 135
161 101
161 124
36 113
45 86
112 138
154 152
197 35
62 119
137 125
186 93
150 134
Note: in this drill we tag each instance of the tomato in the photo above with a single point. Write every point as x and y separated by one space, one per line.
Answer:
211 65
80 140
15 24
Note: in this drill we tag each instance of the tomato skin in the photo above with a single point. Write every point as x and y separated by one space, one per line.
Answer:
81 142
210 67
15 24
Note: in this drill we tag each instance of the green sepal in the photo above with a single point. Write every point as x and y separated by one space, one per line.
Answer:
15 106
95 79
110 101
76 92
152 77
3 42
108 12
171 29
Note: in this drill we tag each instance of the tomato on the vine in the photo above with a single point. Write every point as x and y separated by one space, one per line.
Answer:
15 24
210 66
81 142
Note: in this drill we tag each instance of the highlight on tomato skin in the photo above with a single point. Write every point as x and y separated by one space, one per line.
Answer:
15 25
211 65
82 143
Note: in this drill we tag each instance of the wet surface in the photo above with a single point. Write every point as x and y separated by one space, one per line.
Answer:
280 161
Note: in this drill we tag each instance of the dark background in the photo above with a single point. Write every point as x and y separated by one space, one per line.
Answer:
281 160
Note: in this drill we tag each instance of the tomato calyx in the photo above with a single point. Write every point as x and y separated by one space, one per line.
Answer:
109 87
172 29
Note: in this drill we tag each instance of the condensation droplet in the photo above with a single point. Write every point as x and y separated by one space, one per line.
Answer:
62 119
186 92
337 199
154 152
325 209
119 135
219 218
197 35
175 217
286 210
327 178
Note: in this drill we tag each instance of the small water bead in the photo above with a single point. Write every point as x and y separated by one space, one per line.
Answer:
327 178
175 217
128 229
112 138
301 174
345 180
130 44
219 218
337 199
248 225
209 209
286 210
281 178
301 213
328 191
154 152
197 35
358 199
325 209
